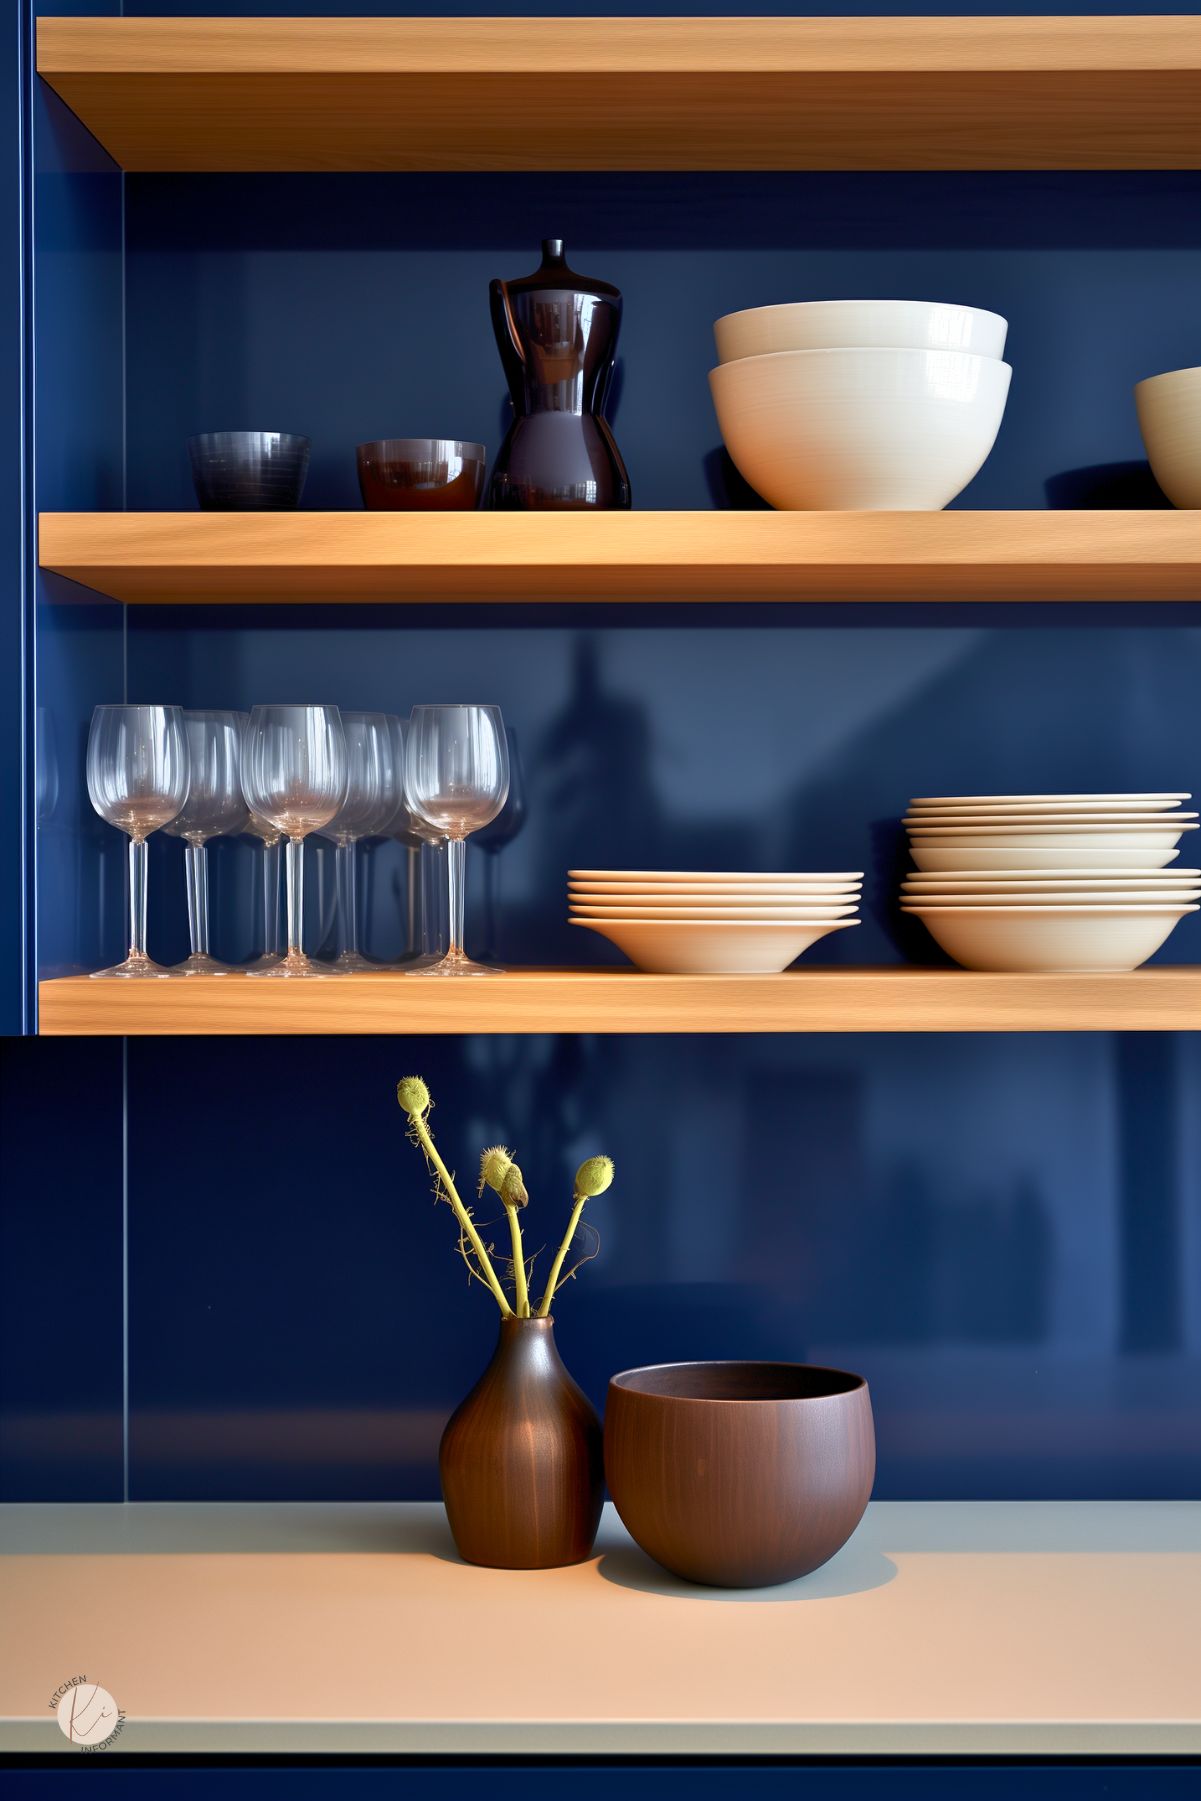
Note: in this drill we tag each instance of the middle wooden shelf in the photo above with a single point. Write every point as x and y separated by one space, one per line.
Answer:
817 999
212 558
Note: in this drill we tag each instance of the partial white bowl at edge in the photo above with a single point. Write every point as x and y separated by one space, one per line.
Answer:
860 430
751 915
1169 417
833 324
711 948
1052 897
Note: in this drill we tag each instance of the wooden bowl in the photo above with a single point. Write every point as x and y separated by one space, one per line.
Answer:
739 1475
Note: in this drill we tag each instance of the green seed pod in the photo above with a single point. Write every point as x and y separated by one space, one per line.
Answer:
495 1164
512 1189
594 1176
413 1096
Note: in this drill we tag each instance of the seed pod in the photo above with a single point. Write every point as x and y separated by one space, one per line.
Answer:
495 1164
413 1096
594 1176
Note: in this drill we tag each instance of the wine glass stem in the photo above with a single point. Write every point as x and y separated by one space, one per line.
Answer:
348 898
413 909
137 897
456 857
294 863
196 862
271 899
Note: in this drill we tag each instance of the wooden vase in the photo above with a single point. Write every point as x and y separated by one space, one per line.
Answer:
521 1459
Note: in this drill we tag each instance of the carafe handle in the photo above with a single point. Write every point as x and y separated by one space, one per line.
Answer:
507 342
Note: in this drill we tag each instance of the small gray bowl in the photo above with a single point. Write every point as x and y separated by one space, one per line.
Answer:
248 471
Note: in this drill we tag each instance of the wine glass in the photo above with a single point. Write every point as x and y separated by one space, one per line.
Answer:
137 771
422 939
368 807
294 777
214 809
271 838
456 780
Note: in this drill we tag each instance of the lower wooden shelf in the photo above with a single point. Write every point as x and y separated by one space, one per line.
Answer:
975 1628
622 1000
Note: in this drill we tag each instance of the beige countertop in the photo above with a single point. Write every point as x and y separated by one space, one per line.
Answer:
1051 1628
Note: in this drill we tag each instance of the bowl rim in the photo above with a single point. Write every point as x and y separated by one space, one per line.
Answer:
1168 375
780 307
854 1382
467 448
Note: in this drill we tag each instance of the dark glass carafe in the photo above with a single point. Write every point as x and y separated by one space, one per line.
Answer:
557 336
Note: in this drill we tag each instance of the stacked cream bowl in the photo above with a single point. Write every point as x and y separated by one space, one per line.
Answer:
1065 882
692 922
860 405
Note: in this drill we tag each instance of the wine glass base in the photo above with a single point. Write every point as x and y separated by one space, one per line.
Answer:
294 964
352 962
201 964
454 963
259 965
140 966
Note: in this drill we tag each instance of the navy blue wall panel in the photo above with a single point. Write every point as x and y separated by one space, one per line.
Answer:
78 656
350 307
1002 1233
61 1271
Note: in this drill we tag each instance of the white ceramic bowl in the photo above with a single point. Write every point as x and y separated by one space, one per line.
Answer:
860 430
752 915
687 878
1053 897
961 859
622 893
833 324
679 947
1169 417
1060 939
1098 839
1049 803
923 825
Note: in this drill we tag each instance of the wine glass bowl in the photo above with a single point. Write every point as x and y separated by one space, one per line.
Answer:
137 778
456 781
294 772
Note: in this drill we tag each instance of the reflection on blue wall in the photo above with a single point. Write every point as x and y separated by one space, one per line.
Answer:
1002 1233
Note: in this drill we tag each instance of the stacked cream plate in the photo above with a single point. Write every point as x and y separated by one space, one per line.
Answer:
1064 882
691 922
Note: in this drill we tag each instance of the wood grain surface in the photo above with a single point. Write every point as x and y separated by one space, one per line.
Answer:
227 557
817 999
917 93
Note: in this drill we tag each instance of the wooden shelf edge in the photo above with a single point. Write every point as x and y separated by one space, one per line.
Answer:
712 93
903 999
224 558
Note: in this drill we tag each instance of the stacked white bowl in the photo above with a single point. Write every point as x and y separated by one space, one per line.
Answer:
698 922
1065 882
860 405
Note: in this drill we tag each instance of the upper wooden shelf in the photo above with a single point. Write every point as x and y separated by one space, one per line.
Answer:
941 93
816 999
214 557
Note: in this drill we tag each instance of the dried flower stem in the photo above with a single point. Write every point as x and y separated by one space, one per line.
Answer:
466 1224
552 1281
520 1285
